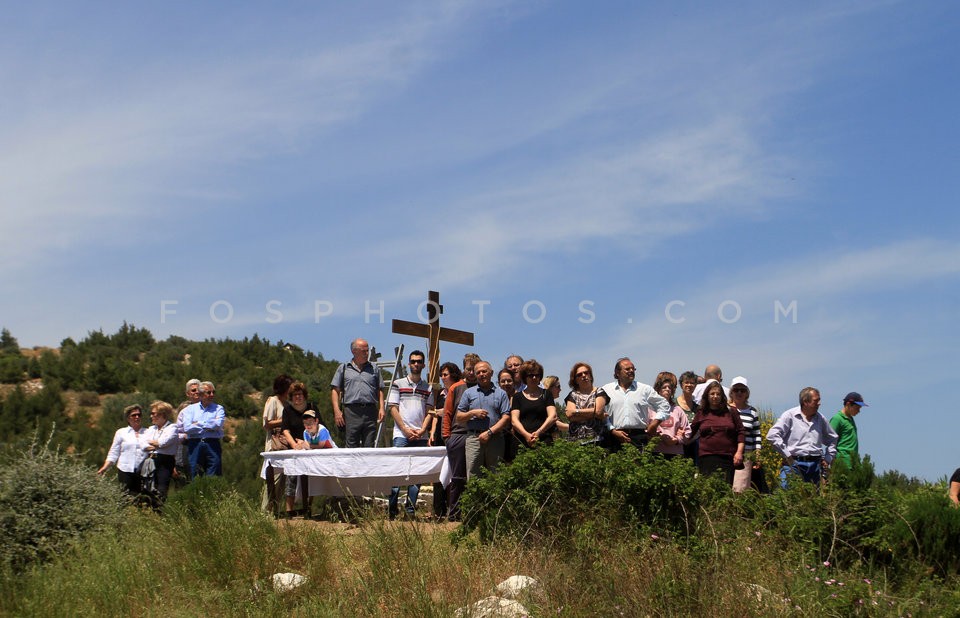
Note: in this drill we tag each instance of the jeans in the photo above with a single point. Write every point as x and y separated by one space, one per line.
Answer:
413 491
205 450
809 471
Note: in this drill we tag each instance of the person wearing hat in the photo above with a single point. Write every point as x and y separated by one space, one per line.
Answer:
848 445
739 401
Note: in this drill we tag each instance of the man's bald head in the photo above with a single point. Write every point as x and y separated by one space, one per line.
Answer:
713 372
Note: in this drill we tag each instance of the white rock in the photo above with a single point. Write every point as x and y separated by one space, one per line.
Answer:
517 586
493 607
285 582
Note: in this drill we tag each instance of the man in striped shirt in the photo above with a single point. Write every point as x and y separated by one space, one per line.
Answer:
409 401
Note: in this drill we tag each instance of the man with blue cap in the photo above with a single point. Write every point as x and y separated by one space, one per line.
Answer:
848 446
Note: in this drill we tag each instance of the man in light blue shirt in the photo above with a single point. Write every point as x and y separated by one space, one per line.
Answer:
805 439
202 422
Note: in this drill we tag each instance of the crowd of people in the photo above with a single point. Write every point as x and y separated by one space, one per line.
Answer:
484 419
485 416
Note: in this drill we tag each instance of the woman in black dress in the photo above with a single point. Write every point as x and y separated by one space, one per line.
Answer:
533 411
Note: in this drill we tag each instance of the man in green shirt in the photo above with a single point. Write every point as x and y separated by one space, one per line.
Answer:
842 422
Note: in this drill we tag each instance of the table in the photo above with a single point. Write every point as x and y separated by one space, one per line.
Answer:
361 471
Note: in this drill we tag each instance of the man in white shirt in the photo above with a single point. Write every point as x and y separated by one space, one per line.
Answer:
628 405
409 401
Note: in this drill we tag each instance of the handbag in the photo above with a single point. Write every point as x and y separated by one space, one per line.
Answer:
278 441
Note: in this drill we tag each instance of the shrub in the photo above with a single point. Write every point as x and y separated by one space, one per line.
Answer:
563 488
928 530
48 501
89 399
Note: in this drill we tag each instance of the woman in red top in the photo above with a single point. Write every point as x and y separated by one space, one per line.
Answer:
721 434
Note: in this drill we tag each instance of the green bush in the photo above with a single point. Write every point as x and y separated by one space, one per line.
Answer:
48 501
927 529
560 489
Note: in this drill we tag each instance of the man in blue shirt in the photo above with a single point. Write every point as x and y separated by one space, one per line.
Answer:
202 422
805 439
485 411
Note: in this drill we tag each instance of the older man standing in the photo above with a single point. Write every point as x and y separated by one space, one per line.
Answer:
848 444
629 404
202 422
356 392
485 412
804 438
182 461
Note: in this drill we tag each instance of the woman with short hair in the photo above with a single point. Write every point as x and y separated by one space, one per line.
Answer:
127 452
674 431
162 442
533 412
586 421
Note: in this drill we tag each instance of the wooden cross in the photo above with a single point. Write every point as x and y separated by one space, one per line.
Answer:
434 333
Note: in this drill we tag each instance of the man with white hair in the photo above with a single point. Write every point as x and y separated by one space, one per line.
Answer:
356 392
202 422
182 463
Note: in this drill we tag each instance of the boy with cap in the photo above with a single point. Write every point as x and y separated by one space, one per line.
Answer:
315 434
848 446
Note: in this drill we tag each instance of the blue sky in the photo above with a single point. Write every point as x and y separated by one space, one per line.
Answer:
621 154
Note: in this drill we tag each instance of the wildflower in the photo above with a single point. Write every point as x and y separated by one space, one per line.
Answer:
654 537
749 549
826 563
757 532
867 581
829 582
840 583
816 579
833 596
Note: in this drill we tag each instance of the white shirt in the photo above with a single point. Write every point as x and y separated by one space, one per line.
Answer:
699 388
127 449
630 408
166 436
412 401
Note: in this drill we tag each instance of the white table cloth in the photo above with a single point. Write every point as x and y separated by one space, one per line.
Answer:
362 471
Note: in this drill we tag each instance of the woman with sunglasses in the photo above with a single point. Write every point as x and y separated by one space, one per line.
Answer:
162 442
739 402
586 420
533 412
127 452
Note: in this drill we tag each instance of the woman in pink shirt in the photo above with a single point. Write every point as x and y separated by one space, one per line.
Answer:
674 432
